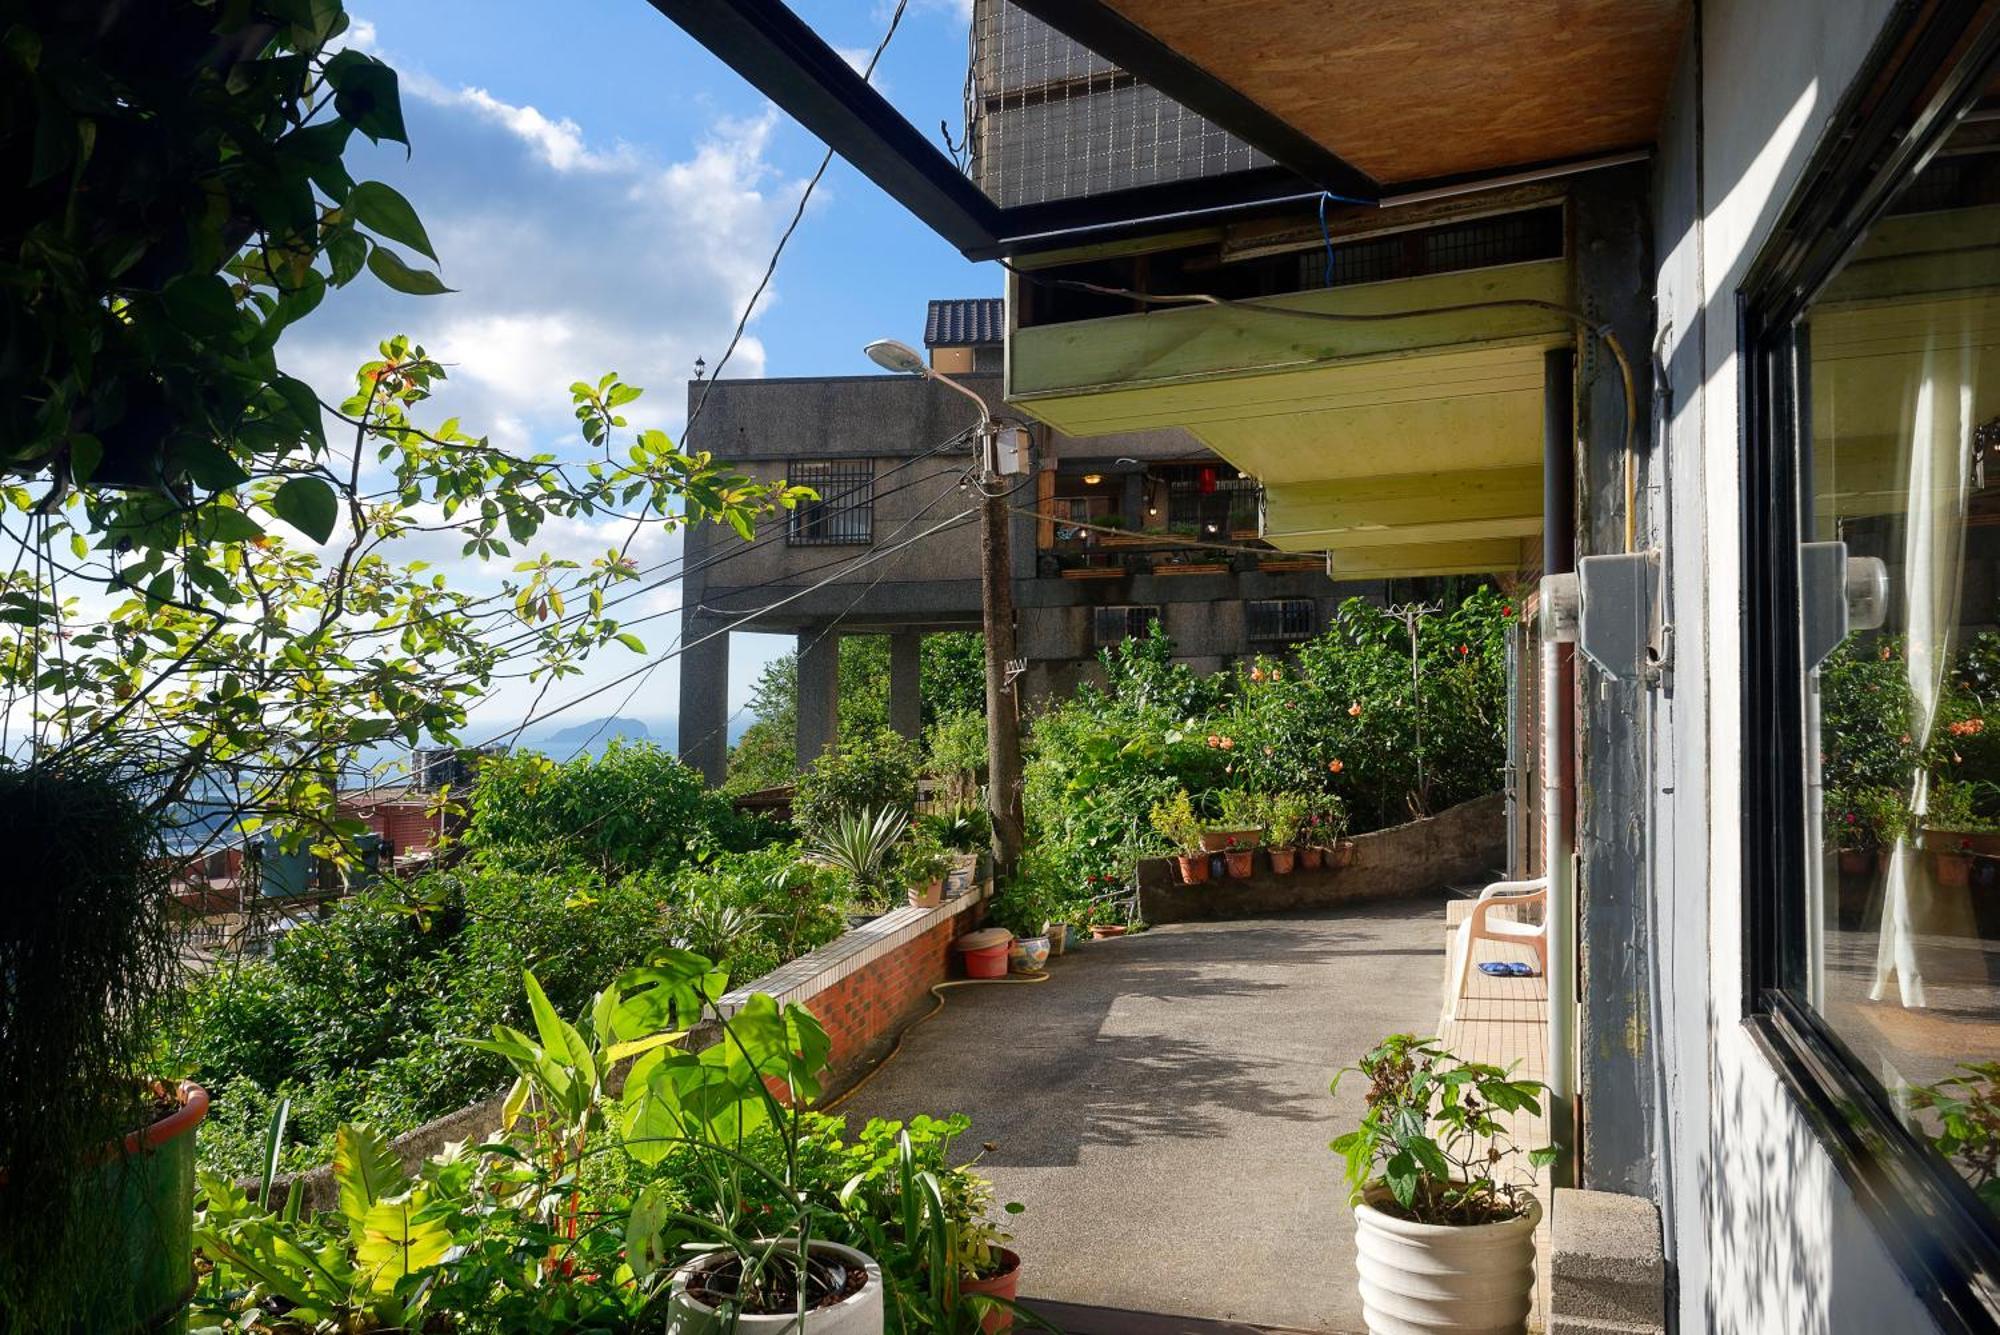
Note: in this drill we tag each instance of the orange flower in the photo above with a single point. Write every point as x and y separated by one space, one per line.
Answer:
1277 674
1354 710
1229 744
1213 740
1256 674
1334 767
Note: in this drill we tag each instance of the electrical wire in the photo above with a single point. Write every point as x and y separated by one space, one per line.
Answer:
805 196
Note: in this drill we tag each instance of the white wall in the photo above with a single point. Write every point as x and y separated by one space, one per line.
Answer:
1765 1235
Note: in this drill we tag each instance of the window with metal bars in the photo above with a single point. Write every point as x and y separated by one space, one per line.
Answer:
1129 621
1282 618
844 514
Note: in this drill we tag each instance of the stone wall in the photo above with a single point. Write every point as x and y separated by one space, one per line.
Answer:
1464 845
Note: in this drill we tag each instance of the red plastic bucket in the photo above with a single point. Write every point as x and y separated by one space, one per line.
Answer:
985 952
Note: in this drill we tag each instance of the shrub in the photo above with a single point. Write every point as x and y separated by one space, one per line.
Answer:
876 772
955 752
632 809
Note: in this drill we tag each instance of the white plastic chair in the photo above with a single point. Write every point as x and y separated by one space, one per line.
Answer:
1481 924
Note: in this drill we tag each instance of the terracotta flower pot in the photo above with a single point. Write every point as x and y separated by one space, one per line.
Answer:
927 896
1310 857
1857 861
1341 854
1282 860
1242 862
1006 1285
1104 931
1952 868
1220 841
1194 870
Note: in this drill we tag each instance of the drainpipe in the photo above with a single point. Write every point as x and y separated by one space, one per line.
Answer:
1558 748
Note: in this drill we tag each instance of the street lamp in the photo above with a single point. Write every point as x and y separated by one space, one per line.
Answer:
996 590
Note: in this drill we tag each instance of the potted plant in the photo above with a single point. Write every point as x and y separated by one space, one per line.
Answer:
96 1151
1330 831
1853 839
1241 824
862 844
1444 1239
1174 821
1022 907
924 863
1285 817
1955 830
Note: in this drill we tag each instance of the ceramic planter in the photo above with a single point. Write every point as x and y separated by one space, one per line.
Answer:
1282 860
1341 854
1194 870
1430 1279
1242 862
1028 954
927 896
1006 1284
960 879
859 1313
1219 841
1310 857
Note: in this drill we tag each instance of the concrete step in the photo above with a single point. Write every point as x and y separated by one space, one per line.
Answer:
1607 1275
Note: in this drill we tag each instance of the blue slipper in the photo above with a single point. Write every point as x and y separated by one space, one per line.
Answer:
1520 970
1496 970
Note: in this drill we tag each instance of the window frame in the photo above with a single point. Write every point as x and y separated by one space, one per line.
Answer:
1312 623
843 492
1923 71
1147 622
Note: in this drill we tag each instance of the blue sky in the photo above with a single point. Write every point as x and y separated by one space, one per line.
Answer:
604 194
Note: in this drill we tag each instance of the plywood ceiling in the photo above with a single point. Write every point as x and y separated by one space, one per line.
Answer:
1409 90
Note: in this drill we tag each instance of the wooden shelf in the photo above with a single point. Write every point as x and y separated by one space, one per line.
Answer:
1095 572
1198 568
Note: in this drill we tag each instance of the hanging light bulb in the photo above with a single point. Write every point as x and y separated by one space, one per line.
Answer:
1092 479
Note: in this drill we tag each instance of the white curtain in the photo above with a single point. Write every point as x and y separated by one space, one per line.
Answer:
1939 451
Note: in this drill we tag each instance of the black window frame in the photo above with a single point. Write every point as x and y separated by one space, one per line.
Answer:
1278 610
1147 615
1923 72
846 489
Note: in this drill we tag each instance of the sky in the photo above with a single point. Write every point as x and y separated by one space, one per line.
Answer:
604 195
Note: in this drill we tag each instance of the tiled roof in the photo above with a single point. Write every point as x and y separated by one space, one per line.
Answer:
966 321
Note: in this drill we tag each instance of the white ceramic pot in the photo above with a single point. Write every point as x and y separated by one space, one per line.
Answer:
858 1314
1428 1279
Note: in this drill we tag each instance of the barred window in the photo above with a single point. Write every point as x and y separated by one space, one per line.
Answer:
1128 621
844 514
1282 618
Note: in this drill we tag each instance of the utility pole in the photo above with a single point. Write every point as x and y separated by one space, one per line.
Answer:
996 599
996 602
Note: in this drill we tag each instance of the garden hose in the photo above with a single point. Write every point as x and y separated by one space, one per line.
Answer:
937 991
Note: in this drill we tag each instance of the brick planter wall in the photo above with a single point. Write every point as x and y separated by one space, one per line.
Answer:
1464 844
864 987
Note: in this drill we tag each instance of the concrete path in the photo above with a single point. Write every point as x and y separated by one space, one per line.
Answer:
1160 1106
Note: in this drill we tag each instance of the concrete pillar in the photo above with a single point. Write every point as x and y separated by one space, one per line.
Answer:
819 693
704 712
906 701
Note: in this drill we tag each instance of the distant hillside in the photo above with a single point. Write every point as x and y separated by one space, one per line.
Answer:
598 729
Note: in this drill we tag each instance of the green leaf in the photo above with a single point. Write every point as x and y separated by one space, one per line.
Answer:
347 252
217 523
365 1171
382 210
200 303
308 505
388 267
85 453
396 1239
632 642
365 96
644 1251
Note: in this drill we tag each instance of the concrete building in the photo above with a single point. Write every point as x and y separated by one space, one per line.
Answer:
1106 543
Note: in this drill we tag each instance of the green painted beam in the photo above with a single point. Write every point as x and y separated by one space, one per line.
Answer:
1496 556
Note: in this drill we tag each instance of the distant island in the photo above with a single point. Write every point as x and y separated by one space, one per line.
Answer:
600 729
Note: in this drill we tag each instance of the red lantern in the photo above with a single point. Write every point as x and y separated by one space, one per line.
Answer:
1205 480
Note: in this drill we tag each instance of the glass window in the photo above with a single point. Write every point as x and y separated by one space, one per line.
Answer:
1898 383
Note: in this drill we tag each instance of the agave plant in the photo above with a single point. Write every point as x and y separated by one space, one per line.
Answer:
860 842
713 926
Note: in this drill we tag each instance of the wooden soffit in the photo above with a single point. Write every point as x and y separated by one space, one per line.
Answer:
1417 90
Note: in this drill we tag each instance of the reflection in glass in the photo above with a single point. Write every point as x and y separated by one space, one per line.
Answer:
1903 383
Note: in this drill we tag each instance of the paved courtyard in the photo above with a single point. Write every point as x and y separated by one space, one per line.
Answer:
1160 1106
